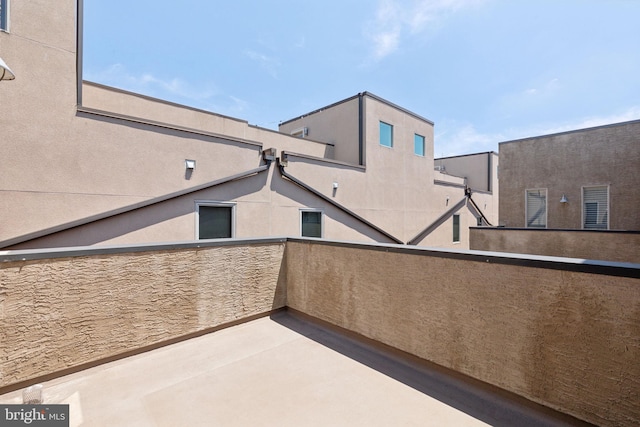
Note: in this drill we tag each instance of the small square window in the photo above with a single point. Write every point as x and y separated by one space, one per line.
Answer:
418 145
311 223
386 134
215 221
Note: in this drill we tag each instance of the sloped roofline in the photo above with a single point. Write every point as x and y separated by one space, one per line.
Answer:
351 98
129 208
589 129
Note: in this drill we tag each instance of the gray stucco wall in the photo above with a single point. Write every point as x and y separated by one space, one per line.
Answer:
569 340
622 246
564 163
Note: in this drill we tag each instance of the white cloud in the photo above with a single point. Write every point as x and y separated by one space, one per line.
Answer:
393 18
549 88
428 11
148 84
465 139
268 63
632 113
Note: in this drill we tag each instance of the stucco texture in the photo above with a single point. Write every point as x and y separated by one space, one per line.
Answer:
63 312
567 340
596 245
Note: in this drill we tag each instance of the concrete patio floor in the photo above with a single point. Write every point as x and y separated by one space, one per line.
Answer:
281 370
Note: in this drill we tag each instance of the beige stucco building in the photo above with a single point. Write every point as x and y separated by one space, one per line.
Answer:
87 164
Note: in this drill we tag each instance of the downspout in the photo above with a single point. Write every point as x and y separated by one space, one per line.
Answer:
478 209
467 198
438 222
489 173
360 129
349 212
79 47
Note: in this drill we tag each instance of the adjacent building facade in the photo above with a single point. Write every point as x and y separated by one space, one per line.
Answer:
585 179
572 194
86 164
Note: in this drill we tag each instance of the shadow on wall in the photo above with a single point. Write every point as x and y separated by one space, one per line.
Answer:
489 404
143 218
304 198
172 132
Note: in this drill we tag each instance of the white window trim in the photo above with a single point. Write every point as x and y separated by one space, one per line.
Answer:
212 203
526 207
321 221
582 205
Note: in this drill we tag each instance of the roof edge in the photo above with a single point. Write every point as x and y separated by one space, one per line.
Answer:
129 208
351 98
587 129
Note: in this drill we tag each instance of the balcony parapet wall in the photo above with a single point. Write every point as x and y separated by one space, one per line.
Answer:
610 245
70 308
561 332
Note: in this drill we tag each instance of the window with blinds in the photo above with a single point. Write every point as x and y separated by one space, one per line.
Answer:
536 208
311 223
215 221
595 207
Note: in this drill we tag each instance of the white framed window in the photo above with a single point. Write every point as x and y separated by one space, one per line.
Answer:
595 207
536 208
215 220
311 223
386 134
4 15
456 228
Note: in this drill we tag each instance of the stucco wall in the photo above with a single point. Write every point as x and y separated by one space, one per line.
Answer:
479 169
601 245
563 333
57 313
564 163
337 124
566 339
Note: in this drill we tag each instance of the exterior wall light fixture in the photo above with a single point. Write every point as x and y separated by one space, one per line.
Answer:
335 185
5 71
190 164
564 199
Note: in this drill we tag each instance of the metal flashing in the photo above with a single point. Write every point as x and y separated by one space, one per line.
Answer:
438 222
123 117
360 96
336 204
129 208
81 251
589 129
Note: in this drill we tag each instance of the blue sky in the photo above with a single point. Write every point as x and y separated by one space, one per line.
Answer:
485 71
